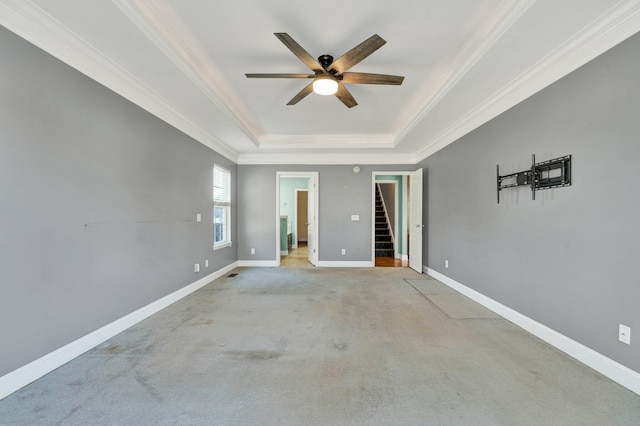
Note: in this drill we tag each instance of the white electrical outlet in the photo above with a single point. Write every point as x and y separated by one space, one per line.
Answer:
624 334
198 217
206 263
196 267
253 251
446 263
344 251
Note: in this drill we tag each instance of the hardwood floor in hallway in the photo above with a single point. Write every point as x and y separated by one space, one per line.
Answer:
391 262
298 257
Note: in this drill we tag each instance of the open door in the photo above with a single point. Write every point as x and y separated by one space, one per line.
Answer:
312 220
415 220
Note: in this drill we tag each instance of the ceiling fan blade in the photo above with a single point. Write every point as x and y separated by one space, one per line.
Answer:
358 53
301 94
345 96
280 75
297 50
365 78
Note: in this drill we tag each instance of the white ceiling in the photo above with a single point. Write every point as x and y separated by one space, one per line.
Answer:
464 62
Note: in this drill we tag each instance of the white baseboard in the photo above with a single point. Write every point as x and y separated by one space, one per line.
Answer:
284 252
26 374
345 264
258 263
620 374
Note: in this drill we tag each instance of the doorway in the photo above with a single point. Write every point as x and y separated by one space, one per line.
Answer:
397 219
297 218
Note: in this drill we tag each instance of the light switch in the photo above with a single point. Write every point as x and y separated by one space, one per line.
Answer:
198 217
355 217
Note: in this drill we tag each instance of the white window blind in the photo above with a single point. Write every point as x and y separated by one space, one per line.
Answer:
221 207
221 186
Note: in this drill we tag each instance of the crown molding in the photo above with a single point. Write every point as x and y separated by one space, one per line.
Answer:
316 158
507 14
39 28
613 27
326 141
159 22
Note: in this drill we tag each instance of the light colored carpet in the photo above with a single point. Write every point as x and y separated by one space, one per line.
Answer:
298 346
452 303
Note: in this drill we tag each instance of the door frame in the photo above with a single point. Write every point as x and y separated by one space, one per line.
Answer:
314 177
407 173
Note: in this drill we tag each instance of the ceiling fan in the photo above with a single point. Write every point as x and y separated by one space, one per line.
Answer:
329 76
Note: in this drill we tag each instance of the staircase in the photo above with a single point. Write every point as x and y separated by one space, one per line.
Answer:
384 238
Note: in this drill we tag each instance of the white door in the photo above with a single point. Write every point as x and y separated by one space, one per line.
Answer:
312 225
415 220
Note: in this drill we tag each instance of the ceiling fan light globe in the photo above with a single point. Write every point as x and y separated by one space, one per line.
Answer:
325 86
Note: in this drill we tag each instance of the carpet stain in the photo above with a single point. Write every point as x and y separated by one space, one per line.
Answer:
144 381
253 355
340 346
113 349
538 375
203 322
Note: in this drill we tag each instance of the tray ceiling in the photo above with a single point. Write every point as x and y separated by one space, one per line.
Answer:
184 61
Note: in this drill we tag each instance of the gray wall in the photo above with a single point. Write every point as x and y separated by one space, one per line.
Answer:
98 203
568 259
342 193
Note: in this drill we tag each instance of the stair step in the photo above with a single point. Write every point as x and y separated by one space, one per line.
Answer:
384 246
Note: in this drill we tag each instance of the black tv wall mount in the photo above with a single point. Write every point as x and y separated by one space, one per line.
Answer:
554 173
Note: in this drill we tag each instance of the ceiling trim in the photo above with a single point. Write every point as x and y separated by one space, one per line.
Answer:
616 25
39 28
374 141
507 14
326 158
159 22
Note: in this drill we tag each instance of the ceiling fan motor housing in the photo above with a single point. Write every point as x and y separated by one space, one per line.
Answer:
325 60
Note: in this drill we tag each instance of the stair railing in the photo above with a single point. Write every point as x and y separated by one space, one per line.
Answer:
386 215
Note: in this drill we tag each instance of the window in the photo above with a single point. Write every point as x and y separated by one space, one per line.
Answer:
221 207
